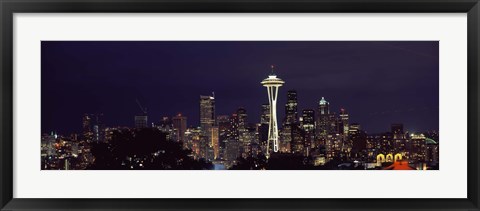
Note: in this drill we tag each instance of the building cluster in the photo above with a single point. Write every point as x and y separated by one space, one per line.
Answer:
318 134
74 151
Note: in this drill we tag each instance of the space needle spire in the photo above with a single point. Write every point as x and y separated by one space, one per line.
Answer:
273 84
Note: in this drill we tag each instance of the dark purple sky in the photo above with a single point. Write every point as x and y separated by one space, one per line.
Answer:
378 83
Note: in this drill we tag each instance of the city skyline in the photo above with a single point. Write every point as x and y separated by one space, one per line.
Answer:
230 142
109 92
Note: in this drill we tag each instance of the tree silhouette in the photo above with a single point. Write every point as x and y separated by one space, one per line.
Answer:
250 163
277 161
146 149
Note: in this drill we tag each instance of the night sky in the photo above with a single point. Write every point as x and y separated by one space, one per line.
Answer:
378 83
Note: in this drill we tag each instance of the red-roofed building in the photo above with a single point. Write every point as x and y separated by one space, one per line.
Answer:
399 165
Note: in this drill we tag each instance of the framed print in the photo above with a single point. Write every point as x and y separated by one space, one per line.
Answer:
257 105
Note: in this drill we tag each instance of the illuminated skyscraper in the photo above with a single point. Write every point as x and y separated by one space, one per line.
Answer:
242 124
87 127
215 142
343 129
223 122
323 118
180 125
418 147
242 118
308 120
265 118
50 141
166 125
297 139
323 107
207 113
326 121
308 126
242 131
234 131
273 84
291 113
93 128
262 128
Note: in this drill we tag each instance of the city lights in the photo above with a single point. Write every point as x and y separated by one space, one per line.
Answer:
317 139
221 105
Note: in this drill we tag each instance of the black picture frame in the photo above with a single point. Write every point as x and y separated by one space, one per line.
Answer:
9 7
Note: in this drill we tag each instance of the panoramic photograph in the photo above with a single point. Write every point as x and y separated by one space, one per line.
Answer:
239 105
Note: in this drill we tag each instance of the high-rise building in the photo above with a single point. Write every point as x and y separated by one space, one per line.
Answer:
354 128
141 121
234 125
192 141
223 122
224 126
204 146
242 118
262 130
343 123
265 117
290 121
86 124
93 127
48 144
418 147
291 114
386 144
180 125
273 84
358 138
166 125
323 107
308 120
215 142
397 131
308 126
232 151
207 113
399 137
248 139
298 140
244 136
285 139
431 147
323 118
207 122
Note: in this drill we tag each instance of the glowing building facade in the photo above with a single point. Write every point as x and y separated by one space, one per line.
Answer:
180 126
291 113
207 113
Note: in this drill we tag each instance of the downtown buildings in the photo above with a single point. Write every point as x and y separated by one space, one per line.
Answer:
323 137
320 137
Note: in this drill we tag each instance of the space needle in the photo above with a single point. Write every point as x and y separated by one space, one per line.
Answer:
273 84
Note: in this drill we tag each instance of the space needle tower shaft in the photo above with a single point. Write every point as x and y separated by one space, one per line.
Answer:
273 84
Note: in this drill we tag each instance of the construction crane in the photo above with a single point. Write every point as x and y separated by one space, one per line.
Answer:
144 110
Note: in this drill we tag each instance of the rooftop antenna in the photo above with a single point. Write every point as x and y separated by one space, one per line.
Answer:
272 67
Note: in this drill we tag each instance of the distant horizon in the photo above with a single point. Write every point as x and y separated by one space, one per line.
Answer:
378 83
